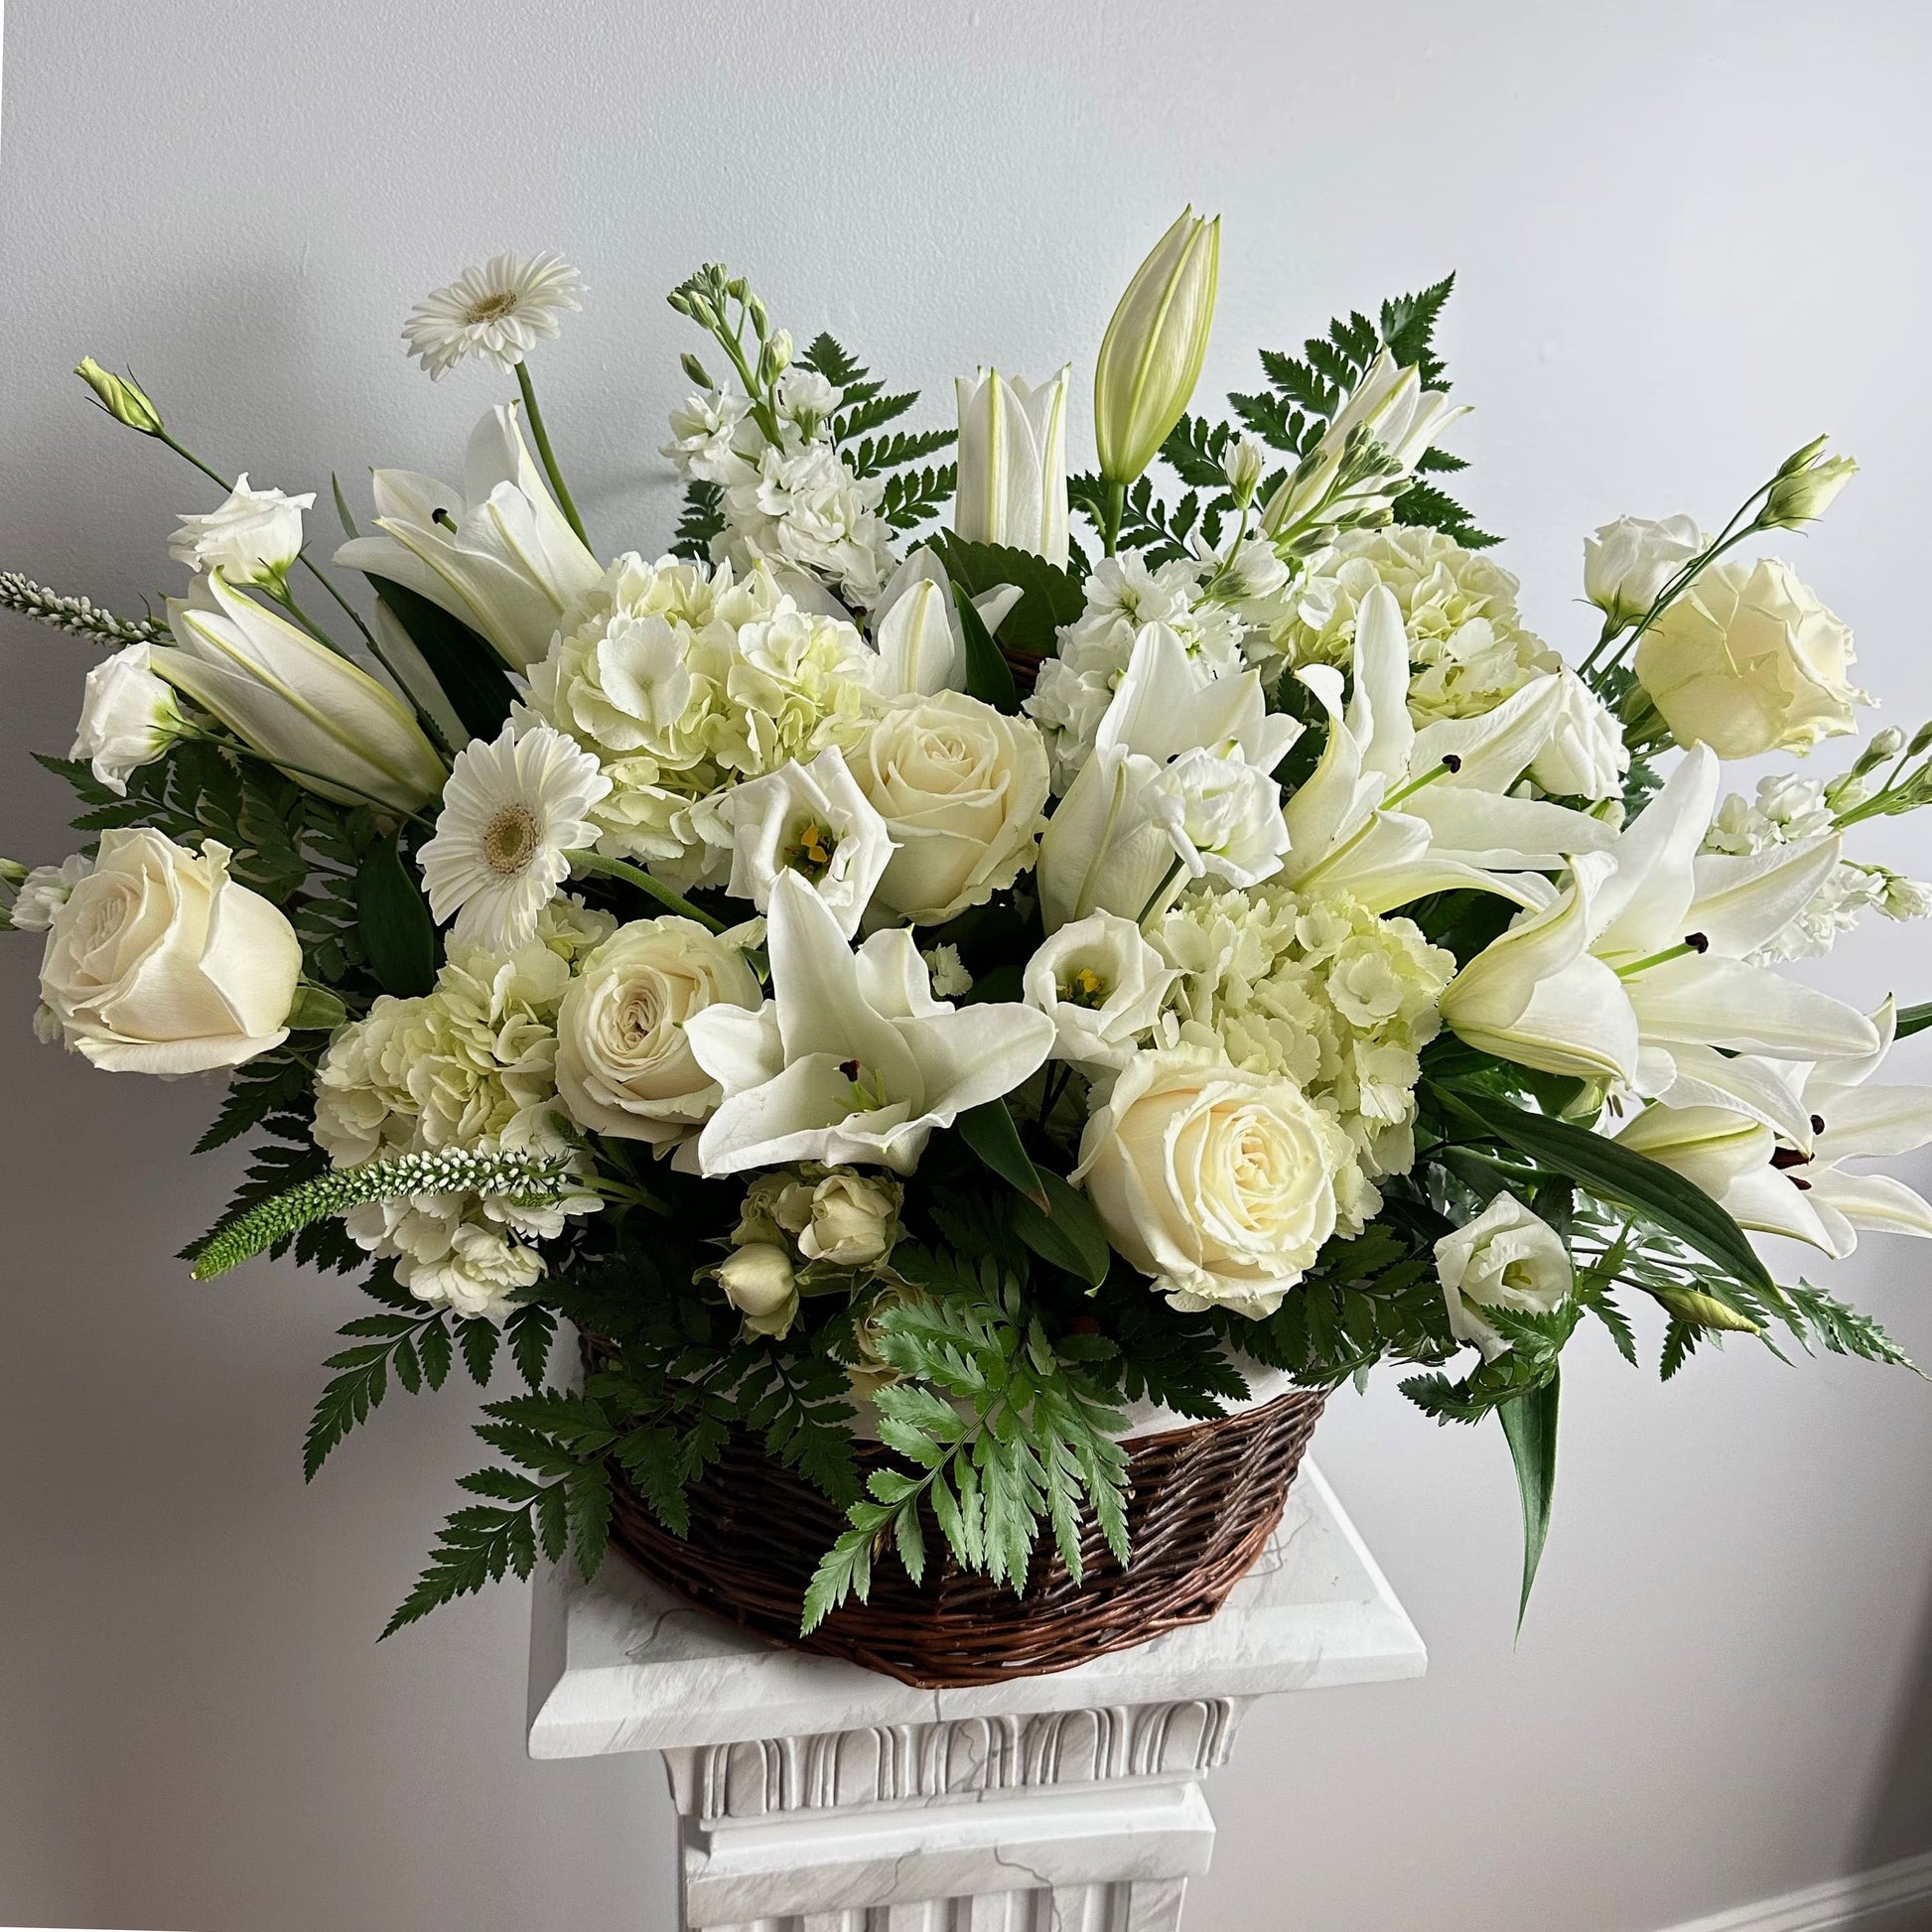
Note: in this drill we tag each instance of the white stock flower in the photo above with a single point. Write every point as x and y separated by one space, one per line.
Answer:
1747 660
1102 985
1627 564
1585 756
501 312
291 698
512 811
253 538
961 789
623 1066
128 718
41 892
712 439
158 962
1013 462
497 554
1222 815
811 819
851 1059
1218 1182
1506 1258
801 511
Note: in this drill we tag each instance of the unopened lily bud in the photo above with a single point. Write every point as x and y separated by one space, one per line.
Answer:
1242 462
1152 355
121 397
1704 1311
1803 494
695 370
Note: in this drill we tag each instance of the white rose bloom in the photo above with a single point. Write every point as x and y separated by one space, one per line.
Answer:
1627 563
128 718
963 791
1585 756
1747 660
44 890
810 819
1218 1182
623 1067
1102 985
253 538
854 1220
758 1283
159 963
1505 1258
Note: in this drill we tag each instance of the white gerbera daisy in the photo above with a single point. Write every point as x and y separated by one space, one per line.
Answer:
500 309
512 811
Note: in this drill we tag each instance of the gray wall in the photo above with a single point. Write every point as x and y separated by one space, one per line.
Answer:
1689 235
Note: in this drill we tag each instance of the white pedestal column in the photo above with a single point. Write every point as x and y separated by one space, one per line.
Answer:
818 1797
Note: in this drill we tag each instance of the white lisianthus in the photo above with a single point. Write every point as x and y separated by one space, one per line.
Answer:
811 819
760 1282
854 1220
1013 462
1507 1258
253 538
623 1066
1585 756
962 789
1102 985
852 1059
1747 660
1218 1182
512 811
499 311
41 892
1222 815
158 962
1627 564
128 718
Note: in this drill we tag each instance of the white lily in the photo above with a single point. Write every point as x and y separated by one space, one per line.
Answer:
497 554
295 700
1797 1185
1129 820
916 628
852 1059
1013 461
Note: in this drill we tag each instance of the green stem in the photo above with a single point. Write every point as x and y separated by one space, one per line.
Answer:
1114 510
585 861
1157 898
547 455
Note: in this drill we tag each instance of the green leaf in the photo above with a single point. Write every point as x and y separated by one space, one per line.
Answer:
1912 1019
1067 1231
1530 1424
471 673
1614 1173
989 1131
341 506
1048 595
988 676
392 918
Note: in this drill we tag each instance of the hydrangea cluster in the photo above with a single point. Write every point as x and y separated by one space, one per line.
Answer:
682 681
1788 810
1317 989
471 1065
1466 639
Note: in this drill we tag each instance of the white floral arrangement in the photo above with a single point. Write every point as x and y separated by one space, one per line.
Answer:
981 978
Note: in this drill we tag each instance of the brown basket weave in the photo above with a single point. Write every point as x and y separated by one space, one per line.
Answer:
1204 1501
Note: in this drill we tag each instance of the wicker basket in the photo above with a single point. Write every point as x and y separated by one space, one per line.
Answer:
1204 1501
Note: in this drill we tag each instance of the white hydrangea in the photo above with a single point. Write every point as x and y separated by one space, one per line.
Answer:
473 1064
1787 810
1124 595
1316 987
1468 645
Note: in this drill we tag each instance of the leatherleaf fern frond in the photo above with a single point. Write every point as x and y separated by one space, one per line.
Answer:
516 1178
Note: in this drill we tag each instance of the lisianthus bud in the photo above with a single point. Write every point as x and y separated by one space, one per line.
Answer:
1803 487
1152 355
121 396
757 1282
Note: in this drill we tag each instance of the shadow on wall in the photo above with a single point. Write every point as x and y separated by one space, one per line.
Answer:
1898 1816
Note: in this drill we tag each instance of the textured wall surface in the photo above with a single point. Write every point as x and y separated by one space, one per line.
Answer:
1689 235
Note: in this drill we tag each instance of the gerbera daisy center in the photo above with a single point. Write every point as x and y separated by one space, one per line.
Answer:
510 840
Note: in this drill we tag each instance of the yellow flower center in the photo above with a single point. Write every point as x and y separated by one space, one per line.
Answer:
510 840
1085 988
492 308
810 851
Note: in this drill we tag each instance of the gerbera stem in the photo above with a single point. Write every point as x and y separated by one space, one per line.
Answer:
547 455
583 861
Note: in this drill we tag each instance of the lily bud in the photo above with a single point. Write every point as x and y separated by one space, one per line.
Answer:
1803 487
1705 1311
1152 355
121 396
1013 462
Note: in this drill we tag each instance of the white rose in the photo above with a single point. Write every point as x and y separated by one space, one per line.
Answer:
1101 983
158 962
1217 1181
1628 562
1585 756
813 820
758 1283
1505 1258
623 1067
252 538
128 718
1747 660
962 789
854 1220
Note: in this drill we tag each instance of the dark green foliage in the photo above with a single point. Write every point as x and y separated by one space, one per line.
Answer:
702 519
1530 1424
1062 1229
913 495
471 675
393 923
988 676
1048 595
989 1131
